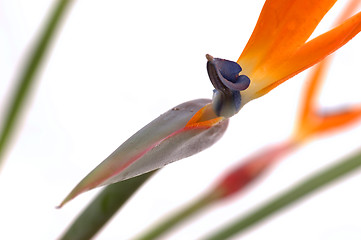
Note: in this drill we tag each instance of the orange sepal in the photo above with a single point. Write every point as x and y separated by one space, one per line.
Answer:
282 27
314 51
205 117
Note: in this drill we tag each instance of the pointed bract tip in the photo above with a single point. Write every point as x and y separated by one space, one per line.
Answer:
62 203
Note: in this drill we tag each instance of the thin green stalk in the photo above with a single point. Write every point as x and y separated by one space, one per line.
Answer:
298 192
27 76
103 207
164 226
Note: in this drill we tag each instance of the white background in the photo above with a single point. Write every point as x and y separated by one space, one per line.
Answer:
115 66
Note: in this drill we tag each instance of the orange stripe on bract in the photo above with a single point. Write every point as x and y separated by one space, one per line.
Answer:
205 124
196 116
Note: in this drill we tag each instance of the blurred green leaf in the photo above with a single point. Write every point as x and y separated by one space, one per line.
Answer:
27 75
301 190
103 207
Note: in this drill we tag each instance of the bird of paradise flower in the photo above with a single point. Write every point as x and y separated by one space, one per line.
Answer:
277 50
311 123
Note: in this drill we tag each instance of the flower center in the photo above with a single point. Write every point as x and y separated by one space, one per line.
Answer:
225 78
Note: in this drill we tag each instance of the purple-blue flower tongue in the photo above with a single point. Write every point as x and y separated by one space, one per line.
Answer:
224 75
229 69
228 73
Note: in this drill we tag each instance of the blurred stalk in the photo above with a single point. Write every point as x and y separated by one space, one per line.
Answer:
178 217
103 207
301 190
27 75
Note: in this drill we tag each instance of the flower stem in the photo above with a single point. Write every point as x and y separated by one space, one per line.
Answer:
301 190
164 226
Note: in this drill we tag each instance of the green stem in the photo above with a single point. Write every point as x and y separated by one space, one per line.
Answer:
103 207
27 76
176 218
301 190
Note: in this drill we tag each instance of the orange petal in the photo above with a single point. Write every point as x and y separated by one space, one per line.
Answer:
282 27
314 51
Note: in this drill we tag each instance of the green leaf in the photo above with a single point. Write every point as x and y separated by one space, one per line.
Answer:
27 76
103 207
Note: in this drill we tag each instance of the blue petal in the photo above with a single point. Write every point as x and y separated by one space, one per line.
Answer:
242 82
228 69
